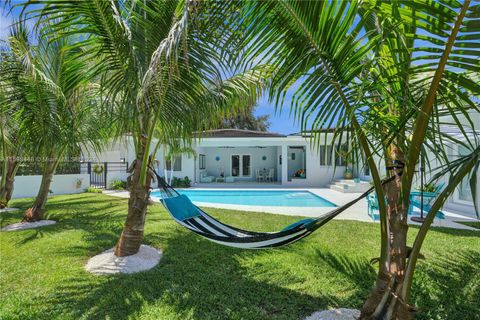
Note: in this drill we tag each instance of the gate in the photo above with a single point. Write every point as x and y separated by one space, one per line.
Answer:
98 172
98 175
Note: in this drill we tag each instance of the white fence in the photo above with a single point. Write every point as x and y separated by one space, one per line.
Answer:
27 186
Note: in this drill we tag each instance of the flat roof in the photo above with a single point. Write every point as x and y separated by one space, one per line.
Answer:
237 133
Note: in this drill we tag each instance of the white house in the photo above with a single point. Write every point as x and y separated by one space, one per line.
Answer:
233 156
242 158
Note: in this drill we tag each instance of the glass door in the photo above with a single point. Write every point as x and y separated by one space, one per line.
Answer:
246 165
241 165
235 165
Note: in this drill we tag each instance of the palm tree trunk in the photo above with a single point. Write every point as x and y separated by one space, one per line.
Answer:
133 230
172 164
6 189
36 212
383 302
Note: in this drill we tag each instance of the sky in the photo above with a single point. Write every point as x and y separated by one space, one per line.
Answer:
280 122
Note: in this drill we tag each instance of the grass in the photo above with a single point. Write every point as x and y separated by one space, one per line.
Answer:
42 272
473 224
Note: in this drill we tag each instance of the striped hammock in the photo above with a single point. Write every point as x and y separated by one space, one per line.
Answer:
185 213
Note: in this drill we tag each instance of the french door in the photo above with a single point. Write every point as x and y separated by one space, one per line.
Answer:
241 165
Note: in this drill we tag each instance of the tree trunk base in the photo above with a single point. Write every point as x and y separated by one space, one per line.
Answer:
33 214
129 243
384 302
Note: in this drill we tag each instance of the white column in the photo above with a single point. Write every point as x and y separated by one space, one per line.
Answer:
284 164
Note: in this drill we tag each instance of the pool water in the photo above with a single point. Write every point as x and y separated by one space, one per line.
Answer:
280 198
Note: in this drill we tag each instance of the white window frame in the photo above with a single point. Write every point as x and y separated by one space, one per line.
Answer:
202 159
456 193
179 157
325 156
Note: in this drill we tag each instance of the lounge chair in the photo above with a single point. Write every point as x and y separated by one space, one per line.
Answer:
415 201
372 202
428 200
205 178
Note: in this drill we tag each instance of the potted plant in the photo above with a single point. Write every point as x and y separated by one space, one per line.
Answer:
300 173
348 173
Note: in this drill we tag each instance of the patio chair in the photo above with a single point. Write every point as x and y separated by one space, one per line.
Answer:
259 174
428 200
270 175
205 178
372 203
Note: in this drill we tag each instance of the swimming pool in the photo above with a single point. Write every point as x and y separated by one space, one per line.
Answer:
271 198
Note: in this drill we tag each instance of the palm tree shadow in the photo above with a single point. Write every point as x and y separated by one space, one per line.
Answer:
448 287
359 272
195 279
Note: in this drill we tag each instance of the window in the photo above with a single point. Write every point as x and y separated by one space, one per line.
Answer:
177 165
201 161
341 154
293 156
464 190
241 165
235 165
366 170
246 165
325 155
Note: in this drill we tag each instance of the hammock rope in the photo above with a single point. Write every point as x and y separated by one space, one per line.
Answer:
210 228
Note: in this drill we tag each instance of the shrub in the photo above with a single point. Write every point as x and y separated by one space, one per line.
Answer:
429 187
117 184
181 183
186 182
93 190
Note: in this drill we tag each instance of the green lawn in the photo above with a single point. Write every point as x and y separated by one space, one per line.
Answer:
42 274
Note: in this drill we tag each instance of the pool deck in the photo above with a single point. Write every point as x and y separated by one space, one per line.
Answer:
357 212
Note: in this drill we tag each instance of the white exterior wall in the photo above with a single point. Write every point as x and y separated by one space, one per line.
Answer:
298 163
27 186
317 175
279 167
274 147
116 175
114 151
187 168
215 168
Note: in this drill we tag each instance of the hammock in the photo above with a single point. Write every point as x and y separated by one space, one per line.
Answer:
185 213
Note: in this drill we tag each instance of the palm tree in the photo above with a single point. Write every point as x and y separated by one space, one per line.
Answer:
56 107
171 151
11 147
387 73
160 62
12 96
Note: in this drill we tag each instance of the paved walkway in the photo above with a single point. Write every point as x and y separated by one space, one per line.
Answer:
357 212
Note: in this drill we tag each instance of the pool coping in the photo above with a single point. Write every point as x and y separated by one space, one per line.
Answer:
358 212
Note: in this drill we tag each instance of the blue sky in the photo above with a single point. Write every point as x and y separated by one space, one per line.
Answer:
280 122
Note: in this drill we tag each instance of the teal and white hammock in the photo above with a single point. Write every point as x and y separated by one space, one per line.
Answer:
188 215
